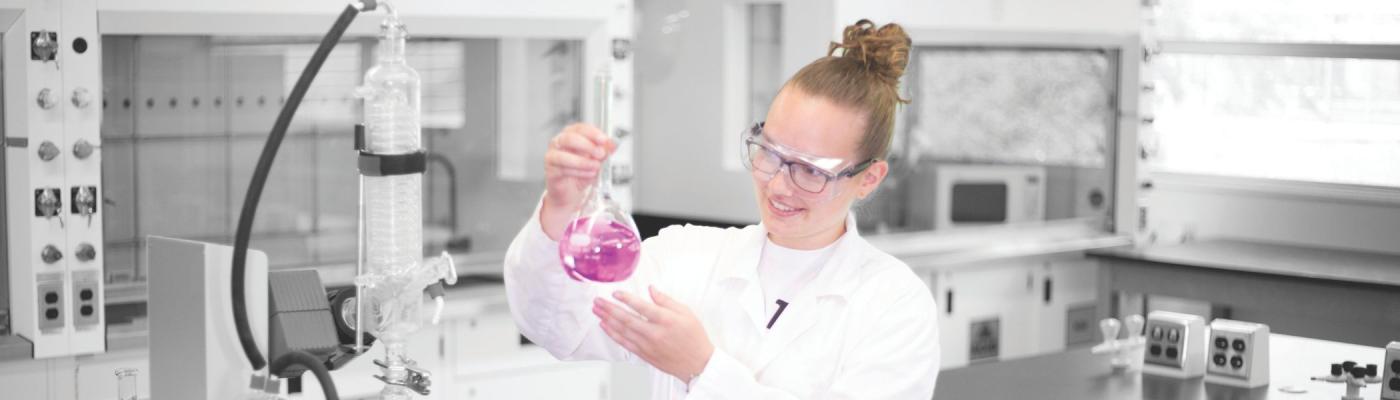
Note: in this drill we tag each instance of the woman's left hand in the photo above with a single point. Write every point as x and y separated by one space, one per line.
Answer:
665 334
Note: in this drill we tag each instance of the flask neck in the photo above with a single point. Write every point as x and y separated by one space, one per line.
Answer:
392 41
605 181
603 91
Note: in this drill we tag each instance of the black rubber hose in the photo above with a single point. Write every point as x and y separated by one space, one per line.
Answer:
311 363
264 167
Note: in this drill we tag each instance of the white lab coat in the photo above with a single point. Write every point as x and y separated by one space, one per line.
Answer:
865 328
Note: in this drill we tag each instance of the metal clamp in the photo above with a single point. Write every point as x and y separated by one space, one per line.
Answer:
415 379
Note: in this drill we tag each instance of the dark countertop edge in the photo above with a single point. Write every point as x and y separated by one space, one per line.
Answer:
969 257
1146 255
14 348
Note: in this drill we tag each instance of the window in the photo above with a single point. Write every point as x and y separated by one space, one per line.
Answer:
186 116
1014 106
999 134
754 41
765 57
1302 90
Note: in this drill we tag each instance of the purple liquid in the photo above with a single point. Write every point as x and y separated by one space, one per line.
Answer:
603 252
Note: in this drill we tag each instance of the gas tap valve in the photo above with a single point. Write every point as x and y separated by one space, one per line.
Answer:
1125 354
1354 376
448 271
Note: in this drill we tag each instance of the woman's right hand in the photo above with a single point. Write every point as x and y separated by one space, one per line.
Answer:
571 165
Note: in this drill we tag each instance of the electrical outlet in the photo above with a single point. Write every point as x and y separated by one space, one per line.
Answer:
1175 345
984 340
1239 354
50 303
86 307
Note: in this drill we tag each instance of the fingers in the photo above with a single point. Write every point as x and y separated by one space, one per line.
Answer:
580 144
651 311
620 338
584 138
661 299
571 163
577 152
591 133
611 312
622 325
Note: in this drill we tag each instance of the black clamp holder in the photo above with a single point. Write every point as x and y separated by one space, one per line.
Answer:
388 164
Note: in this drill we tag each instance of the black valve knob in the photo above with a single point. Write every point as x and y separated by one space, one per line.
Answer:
82 149
1336 369
1372 370
1348 365
51 254
1358 372
48 151
86 252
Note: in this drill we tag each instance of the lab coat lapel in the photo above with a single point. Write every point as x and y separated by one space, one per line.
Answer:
804 312
738 272
821 299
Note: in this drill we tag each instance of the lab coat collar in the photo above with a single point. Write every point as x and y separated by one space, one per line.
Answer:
833 285
837 276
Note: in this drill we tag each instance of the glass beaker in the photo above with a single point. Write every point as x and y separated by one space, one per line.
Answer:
601 243
126 383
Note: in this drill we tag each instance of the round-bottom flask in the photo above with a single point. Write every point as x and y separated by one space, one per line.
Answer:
601 243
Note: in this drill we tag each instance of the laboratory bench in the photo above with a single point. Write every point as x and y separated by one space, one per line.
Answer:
1343 295
473 295
475 352
1081 375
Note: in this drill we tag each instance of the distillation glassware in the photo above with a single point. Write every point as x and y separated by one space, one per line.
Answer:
601 243
392 271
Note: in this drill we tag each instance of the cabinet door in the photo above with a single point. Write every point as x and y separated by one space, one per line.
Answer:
985 312
565 381
25 379
1065 305
482 335
97 379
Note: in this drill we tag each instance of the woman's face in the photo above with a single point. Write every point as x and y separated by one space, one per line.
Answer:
817 127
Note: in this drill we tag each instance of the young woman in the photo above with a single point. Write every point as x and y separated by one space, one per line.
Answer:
797 307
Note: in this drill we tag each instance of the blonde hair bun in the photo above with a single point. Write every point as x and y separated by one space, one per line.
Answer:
883 51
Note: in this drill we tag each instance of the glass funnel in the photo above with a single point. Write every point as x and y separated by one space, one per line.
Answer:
601 243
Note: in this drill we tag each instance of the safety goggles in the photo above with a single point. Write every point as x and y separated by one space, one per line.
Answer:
810 173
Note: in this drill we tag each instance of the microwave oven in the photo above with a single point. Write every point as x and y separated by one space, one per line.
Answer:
982 195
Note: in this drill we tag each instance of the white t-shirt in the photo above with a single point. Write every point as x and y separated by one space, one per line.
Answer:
784 272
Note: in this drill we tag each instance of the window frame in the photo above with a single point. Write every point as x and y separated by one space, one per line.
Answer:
1317 190
1123 159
